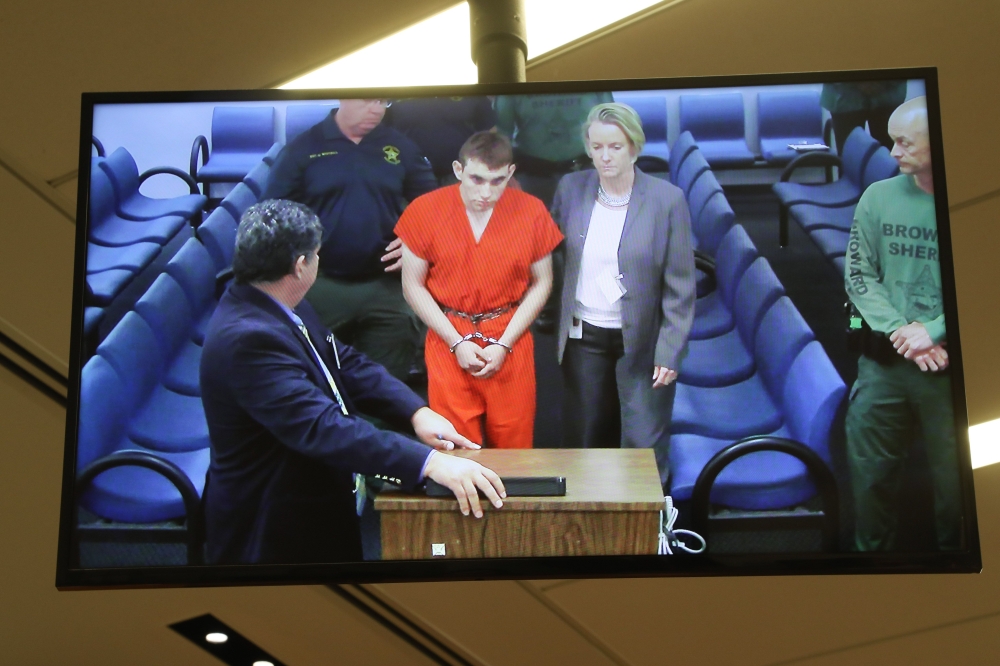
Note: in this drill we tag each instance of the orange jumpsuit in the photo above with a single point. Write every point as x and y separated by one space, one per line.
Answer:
475 278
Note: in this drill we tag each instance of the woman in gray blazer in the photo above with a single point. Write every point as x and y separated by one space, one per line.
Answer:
628 293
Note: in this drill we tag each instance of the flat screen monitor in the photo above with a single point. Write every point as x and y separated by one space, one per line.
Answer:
701 326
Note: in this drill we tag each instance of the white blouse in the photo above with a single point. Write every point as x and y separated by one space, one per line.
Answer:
598 288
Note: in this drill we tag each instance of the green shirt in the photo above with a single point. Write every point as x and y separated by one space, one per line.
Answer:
892 271
548 127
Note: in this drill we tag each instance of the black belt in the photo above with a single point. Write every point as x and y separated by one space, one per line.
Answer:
481 316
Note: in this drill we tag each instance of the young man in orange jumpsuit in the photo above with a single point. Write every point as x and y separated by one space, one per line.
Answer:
477 269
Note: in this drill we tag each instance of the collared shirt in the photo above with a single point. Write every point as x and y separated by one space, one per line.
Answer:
357 190
295 319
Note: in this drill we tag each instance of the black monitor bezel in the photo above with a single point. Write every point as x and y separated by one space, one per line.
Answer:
962 561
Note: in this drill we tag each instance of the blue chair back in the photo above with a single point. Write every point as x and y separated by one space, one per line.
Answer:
134 352
652 110
703 189
757 291
679 152
218 235
237 201
166 310
881 165
242 129
122 173
713 116
858 149
301 117
194 271
256 180
783 324
812 395
105 406
693 166
272 154
102 196
714 222
795 114
736 253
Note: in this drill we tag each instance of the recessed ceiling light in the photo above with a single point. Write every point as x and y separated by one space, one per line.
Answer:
223 642
216 637
262 663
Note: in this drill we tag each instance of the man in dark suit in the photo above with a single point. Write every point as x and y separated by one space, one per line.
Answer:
283 402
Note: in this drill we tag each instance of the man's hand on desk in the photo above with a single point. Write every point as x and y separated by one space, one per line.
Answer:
465 478
436 431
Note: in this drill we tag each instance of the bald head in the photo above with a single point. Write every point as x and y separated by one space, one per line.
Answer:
911 141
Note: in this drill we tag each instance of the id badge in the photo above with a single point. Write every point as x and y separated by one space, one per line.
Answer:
611 286
576 329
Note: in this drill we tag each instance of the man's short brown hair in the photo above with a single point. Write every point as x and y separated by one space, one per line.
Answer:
490 148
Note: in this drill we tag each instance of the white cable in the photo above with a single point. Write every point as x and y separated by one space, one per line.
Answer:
669 536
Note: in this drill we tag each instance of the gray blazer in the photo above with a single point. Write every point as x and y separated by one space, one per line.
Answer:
655 258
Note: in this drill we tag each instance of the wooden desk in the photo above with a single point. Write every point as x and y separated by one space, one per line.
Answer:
611 507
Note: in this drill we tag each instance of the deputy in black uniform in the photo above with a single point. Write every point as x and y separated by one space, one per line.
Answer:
357 176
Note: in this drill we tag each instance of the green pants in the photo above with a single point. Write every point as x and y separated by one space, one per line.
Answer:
373 317
889 404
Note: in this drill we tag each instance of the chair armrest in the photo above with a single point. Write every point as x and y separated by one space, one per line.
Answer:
706 264
652 164
200 145
808 160
192 185
96 143
222 280
173 474
818 470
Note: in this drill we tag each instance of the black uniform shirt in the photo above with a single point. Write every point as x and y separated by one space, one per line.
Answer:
357 190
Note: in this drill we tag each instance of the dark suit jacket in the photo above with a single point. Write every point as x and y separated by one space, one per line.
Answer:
655 257
280 484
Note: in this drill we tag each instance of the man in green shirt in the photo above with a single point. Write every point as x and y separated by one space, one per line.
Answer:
893 278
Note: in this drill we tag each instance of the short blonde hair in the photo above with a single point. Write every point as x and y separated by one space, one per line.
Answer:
623 117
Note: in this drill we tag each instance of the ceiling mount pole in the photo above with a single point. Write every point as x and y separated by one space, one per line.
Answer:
499 40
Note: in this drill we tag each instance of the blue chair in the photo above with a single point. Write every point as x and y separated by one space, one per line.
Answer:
713 312
845 191
652 110
256 180
162 420
690 170
194 271
881 166
829 227
132 258
127 492
705 187
272 154
717 123
713 223
698 410
106 227
788 117
237 201
301 117
728 359
105 286
133 205
241 136
218 235
683 146
166 310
